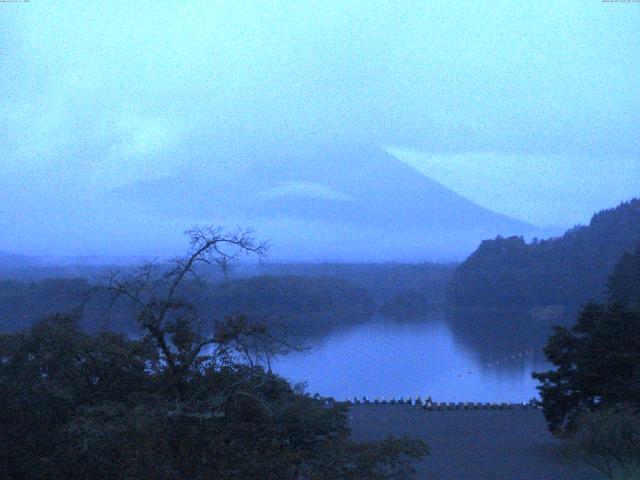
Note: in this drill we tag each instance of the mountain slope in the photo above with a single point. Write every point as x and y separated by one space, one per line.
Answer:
568 270
336 194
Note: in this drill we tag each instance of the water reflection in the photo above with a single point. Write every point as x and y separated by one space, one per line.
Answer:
479 356
501 336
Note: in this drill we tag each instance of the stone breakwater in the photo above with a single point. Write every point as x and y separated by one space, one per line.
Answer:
435 406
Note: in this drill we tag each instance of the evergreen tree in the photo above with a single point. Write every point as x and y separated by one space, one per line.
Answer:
597 364
624 282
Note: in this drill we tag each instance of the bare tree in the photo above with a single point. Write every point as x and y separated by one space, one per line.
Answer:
172 323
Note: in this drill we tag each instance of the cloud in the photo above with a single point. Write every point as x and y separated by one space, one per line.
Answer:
97 95
441 76
141 136
139 149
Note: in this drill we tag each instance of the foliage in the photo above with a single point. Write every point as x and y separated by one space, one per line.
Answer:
180 402
306 298
569 270
382 280
49 372
23 303
411 303
597 364
299 303
607 440
624 282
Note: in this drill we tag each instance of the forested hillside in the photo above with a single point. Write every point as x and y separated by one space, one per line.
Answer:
624 282
568 270
23 303
298 303
384 281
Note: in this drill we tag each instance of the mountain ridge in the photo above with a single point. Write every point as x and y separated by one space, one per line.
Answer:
357 188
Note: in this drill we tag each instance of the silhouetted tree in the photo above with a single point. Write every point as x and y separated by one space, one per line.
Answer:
179 402
50 372
597 364
624 282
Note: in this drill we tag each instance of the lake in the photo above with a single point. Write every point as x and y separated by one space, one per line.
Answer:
438 356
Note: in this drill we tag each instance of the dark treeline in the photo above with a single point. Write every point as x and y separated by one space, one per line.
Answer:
298 304
303 298
383 281
568 270
410 304
23 303
24 268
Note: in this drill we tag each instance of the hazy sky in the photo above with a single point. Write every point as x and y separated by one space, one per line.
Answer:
531 109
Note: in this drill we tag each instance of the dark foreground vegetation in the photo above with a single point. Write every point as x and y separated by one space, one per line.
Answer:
383 281
175 403
104 407
591 398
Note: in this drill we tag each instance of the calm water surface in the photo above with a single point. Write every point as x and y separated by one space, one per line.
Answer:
387 358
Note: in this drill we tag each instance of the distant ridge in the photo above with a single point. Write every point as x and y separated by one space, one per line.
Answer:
567 270
352 202
10 261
